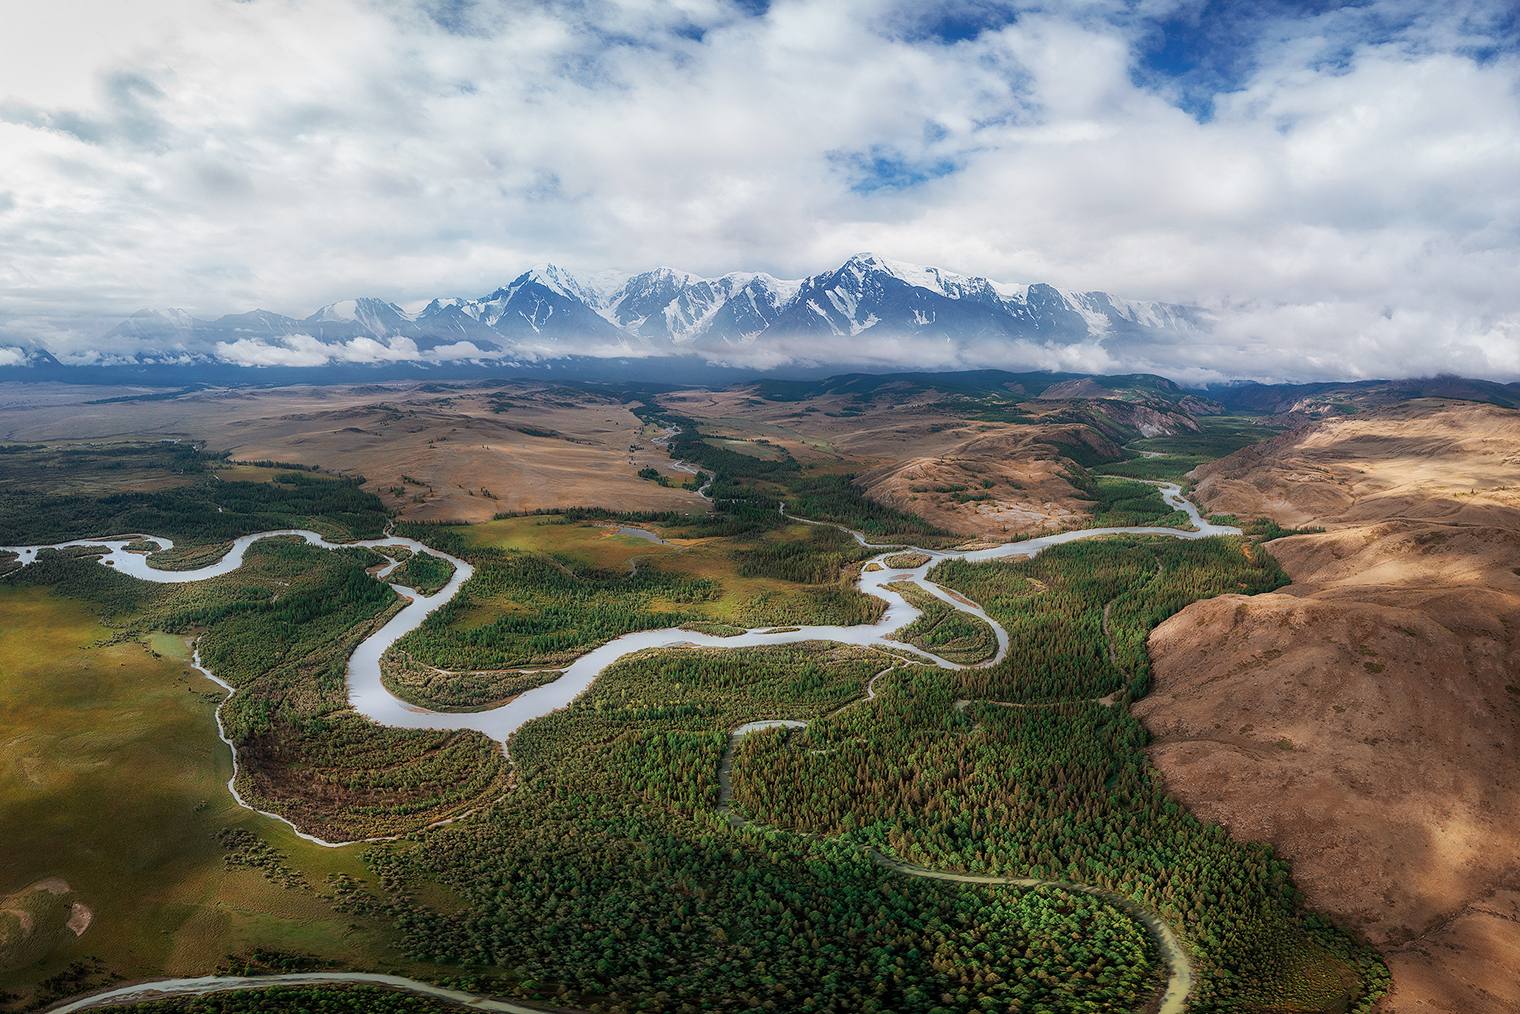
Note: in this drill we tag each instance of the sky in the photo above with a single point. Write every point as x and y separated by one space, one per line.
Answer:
1338 183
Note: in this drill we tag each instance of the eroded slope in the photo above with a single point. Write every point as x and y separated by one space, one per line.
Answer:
1365 718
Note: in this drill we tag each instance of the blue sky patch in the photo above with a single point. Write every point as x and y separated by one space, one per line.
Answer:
883 167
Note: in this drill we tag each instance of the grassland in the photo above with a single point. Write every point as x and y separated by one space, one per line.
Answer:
943 630
577 546
280 629
549 588
1180 454
431 451
112 778
238 472
98 468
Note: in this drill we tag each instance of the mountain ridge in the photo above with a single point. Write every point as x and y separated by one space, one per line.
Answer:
846 314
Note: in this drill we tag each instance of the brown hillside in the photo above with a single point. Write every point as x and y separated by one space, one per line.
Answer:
1030 491
1365 719
458 452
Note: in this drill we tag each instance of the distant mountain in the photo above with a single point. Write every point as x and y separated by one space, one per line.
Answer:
866 310
1293 404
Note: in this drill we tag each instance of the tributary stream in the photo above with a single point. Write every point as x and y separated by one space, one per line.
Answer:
371 699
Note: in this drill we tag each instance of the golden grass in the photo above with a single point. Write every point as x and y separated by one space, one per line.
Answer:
468 460
113 779
258 473
588 545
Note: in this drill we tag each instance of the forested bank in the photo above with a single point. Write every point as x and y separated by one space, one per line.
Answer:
943 630
279 629
608 882
1063 607
607 879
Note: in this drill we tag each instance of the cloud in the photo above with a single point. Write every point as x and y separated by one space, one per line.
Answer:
1335 182
296 350
305 350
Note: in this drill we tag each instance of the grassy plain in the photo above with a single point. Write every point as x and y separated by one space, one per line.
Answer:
1175 456
112 778
259 473
590 545
458 451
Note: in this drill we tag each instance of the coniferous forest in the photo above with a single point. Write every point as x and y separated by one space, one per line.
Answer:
634 854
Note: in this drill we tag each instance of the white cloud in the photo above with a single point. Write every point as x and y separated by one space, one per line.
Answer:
305 350
296 350
1345 217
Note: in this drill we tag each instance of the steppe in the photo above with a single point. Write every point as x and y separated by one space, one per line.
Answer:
1365 718
912 451
429 450
467 451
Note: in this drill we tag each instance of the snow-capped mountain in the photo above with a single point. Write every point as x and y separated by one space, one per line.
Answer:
845 315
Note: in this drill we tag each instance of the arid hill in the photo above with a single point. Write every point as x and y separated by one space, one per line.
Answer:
919 452
1028 473
1366 718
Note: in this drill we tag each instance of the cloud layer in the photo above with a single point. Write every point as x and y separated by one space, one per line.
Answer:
1337 184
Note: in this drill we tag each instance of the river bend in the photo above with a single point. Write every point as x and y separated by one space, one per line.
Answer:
370 697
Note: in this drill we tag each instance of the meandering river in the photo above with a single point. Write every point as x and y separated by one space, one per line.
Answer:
370 697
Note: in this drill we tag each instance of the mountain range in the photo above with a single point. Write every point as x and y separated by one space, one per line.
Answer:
868 310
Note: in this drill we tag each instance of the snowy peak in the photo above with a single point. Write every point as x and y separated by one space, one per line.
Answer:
377 317
648 295
548 311
557 279
157 325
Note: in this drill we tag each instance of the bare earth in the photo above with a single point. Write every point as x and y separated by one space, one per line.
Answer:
905 448
1365 719
1031 492
461 460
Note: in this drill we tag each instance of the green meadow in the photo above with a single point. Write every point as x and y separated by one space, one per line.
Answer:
113 779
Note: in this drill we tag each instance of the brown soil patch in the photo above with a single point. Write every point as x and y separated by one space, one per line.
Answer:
33 921
1030 490
80 918
1426 460
550 447
1365 719
914 455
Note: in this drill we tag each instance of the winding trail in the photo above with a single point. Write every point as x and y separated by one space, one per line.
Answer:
1180 977
369 697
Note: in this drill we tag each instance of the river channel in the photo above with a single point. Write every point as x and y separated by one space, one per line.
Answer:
370 697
